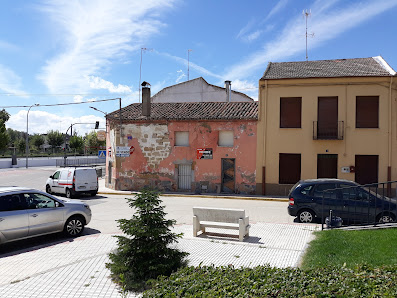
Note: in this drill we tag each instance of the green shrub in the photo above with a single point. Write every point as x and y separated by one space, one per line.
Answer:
264 281
145 253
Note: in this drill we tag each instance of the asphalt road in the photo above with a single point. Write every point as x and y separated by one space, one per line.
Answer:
106 209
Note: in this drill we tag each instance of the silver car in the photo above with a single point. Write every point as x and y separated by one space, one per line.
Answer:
26 213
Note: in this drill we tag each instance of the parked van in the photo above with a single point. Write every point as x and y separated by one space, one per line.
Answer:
73 182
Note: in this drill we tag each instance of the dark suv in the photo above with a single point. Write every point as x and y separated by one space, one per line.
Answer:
311 200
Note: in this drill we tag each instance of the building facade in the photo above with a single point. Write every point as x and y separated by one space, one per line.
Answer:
198 90
326 119
188 147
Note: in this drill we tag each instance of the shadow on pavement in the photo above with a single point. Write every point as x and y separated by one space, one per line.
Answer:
229 237
31 244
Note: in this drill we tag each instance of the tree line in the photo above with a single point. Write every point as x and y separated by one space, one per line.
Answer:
13 140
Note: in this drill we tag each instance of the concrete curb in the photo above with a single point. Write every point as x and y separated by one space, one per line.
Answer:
203 196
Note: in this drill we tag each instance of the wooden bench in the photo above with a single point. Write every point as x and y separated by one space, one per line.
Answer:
223 218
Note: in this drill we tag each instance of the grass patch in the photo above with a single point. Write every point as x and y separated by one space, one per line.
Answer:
349 248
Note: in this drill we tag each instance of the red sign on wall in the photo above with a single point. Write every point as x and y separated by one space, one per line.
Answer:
204 153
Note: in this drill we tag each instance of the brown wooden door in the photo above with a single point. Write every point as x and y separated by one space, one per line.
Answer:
327 118
228 175
366 168
327 166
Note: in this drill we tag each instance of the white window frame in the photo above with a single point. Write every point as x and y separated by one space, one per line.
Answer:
182 139
226 138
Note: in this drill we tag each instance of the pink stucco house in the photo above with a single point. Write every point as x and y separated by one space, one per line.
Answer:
189 147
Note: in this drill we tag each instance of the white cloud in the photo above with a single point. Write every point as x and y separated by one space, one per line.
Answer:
41 122
78 98
253 36
95 33
10 82
181 75
98 83
245 29
325 23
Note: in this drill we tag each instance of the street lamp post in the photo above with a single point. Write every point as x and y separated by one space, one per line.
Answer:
27 133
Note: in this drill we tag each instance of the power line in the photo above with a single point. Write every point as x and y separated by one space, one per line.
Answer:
61 104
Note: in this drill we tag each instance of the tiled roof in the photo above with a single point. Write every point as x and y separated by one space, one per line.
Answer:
359 67
191 111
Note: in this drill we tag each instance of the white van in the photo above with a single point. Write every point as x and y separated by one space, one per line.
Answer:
73 182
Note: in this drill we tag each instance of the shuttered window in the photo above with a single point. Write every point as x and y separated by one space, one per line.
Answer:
367 112
225 138
289 168
182 138
290 112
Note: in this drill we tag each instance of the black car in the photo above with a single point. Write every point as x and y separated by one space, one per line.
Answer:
312 200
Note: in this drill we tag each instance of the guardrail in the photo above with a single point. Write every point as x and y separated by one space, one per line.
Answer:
76 162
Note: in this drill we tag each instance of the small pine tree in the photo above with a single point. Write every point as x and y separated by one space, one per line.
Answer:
145 253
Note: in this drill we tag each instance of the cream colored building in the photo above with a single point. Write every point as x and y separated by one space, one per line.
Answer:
326 119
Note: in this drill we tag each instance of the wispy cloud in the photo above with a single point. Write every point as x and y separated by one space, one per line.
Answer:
192 65
96 33
181 75
8 46
279 6
325 22
10 82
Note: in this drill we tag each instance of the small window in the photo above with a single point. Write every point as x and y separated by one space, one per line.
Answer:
38 201
290 112
306 190
225 138
182 138
56 175
289 168
367 112
327 190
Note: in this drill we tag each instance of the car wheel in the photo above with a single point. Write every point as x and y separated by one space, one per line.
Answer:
48 189
385 218
74 226
306 216
93 193
68 193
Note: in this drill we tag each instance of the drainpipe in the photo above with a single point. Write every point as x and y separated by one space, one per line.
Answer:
264 142
390 138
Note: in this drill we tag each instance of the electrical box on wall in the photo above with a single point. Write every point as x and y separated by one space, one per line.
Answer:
345 169
352 169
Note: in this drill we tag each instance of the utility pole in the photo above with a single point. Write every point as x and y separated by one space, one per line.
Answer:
188 62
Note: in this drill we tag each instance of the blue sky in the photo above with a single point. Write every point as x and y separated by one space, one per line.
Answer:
59 51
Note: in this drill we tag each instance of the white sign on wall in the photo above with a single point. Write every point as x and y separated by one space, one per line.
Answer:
122 151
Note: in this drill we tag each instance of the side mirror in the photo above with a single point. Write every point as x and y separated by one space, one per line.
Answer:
56 204
52 177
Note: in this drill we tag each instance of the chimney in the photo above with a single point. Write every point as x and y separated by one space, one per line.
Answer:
146 99
228 87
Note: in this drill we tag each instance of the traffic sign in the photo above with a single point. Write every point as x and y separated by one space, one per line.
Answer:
102 153
101 135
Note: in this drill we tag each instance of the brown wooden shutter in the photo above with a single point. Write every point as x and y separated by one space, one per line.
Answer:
290 112
367 112
289 168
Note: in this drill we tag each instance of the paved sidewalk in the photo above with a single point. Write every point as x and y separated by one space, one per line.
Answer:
108 191
76 267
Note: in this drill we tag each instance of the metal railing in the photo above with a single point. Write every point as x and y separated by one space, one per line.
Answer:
73 162
369 204
331 132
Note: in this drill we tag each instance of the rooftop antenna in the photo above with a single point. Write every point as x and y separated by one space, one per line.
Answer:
140 72
306 14
188 61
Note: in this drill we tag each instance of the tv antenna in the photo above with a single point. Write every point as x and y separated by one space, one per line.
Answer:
188 61
306 14
140 71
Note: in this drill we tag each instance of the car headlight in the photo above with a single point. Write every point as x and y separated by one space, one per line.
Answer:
87 207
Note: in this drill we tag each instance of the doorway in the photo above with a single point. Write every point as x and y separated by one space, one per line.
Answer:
366 168
327 118
327 165
228 175
184 176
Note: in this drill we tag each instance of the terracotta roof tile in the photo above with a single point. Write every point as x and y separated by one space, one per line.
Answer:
359 67
191 111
